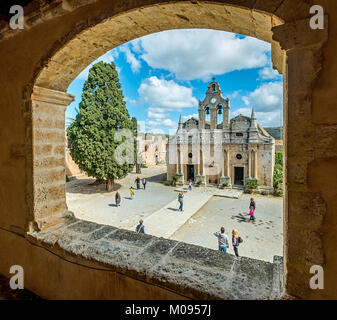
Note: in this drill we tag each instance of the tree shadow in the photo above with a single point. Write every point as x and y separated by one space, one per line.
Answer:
89 186
159 178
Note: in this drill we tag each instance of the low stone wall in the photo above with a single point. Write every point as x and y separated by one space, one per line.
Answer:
185 270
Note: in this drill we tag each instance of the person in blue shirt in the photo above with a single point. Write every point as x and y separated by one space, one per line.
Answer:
181 201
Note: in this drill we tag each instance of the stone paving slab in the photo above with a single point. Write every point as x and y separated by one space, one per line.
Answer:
226 193
166 221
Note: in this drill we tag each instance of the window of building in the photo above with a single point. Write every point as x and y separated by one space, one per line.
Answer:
239 134
239 156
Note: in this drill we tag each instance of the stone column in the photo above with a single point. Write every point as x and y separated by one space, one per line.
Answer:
306 208
180 173
225 178
255 164
49 175
227 163
223 162
249 164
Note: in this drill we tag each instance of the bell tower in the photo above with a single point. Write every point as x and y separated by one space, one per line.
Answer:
216 104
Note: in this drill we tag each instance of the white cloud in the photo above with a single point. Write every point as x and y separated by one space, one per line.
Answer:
265 119
200 54
131 59
267 101
268 73
167 94
107 58
161 125
266 98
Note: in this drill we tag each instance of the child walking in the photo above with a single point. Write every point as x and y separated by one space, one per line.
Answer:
132 193
252 214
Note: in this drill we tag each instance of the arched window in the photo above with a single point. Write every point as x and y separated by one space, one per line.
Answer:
219 111
207 114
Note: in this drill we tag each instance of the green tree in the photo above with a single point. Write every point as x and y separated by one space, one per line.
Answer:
102 116
279 158
278 169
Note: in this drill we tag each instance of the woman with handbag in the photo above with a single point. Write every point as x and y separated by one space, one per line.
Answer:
236 240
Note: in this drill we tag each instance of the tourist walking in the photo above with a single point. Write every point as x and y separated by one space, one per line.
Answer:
137 181
252 214
132 193
190 185
222 240
140 228
118 199
181 201
236 241
144 183
252 203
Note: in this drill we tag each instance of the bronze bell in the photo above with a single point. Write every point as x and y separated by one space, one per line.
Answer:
207 111
219 111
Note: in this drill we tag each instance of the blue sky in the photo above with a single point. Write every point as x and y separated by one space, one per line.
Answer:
165 74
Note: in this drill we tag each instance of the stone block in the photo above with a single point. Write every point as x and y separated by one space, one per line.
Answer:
203 256
130 238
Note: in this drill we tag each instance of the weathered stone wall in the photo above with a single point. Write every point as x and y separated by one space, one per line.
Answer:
102 262
155 151
72 168
48 117
60 39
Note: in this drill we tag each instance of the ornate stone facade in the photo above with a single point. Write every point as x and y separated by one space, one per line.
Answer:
221 150
152 149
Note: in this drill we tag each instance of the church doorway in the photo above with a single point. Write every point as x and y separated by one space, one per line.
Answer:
238 176
190 172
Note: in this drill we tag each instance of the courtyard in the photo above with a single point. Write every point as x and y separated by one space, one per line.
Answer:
206 209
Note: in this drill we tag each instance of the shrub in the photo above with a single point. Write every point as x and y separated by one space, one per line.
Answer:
144 165
277 176
279 158
278 193
175 178
224 185
252 184
264 193
67 179
167 183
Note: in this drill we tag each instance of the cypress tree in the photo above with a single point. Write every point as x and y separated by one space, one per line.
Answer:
102 113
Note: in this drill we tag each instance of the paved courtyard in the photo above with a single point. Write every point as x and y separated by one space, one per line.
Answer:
93 203
262 240
205 211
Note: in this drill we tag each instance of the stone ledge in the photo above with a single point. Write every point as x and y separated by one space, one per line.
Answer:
193 271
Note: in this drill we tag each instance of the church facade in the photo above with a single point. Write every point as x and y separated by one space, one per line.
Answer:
215 149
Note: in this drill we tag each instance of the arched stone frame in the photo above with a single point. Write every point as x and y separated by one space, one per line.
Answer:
302 48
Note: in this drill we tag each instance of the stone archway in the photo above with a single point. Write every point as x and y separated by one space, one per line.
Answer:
296 52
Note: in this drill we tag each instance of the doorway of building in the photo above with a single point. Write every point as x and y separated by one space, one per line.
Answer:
190 172
238 176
